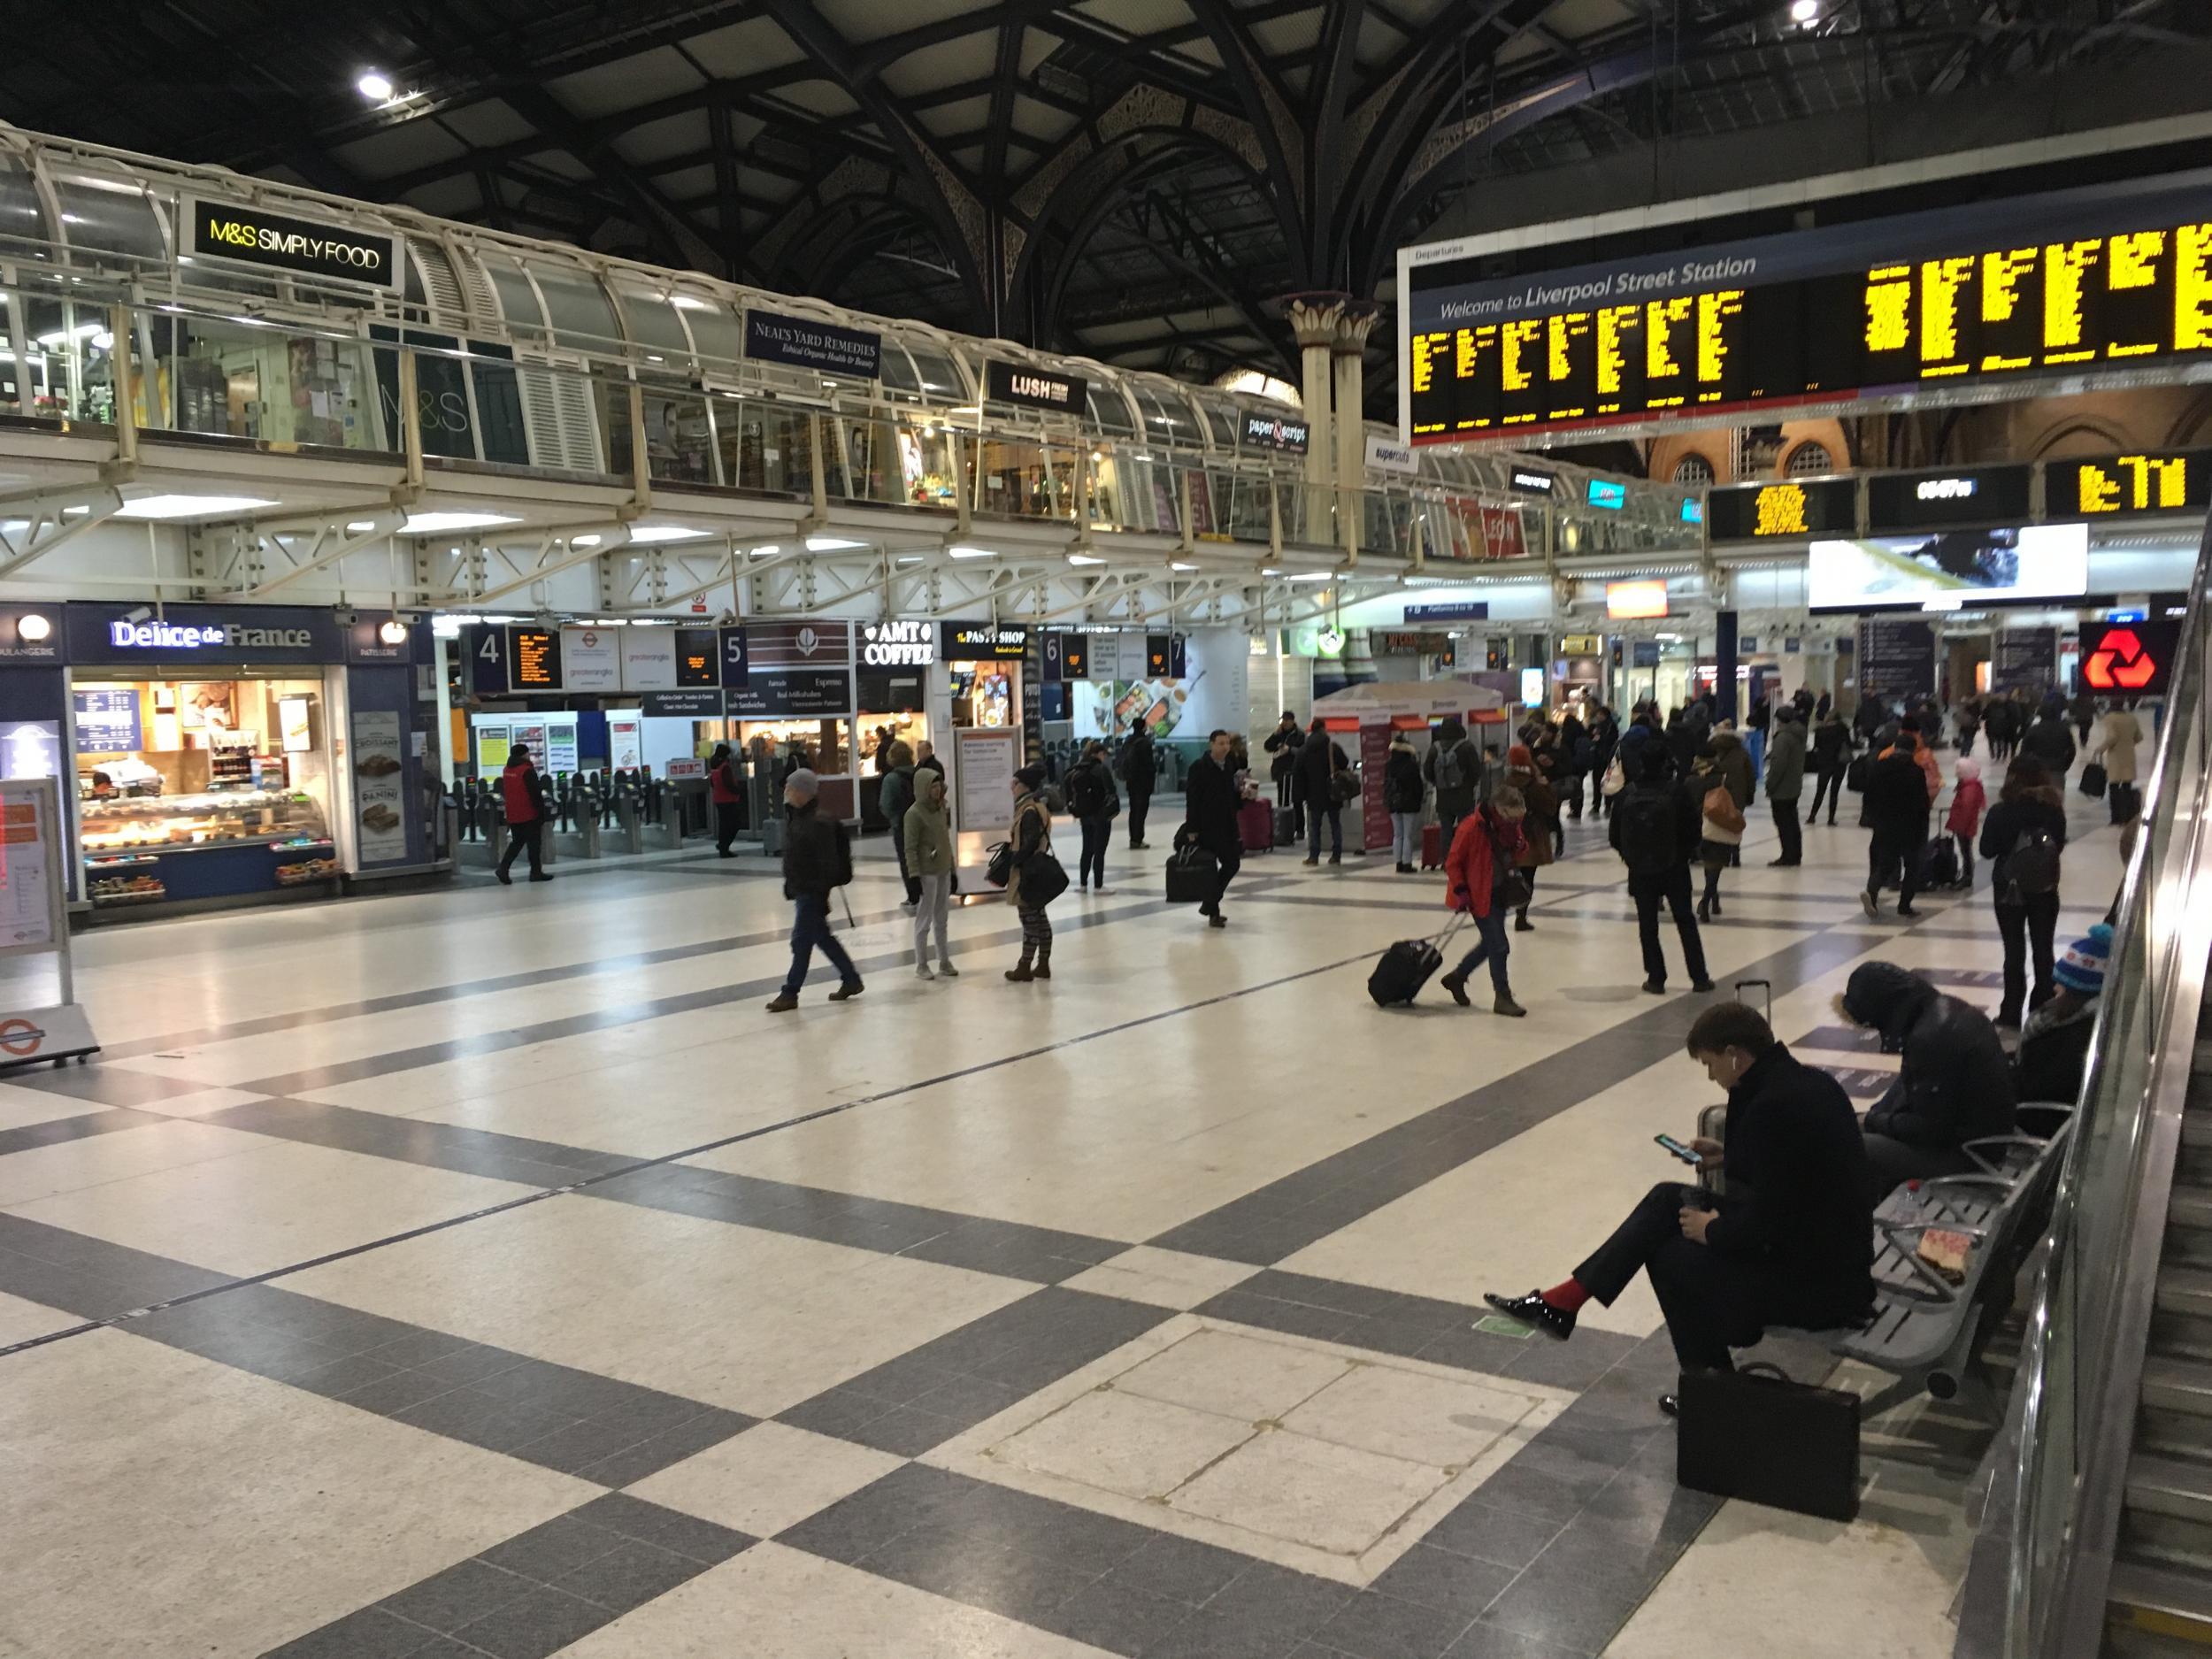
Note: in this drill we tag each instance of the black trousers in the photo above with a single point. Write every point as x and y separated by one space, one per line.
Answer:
1828 787
1886 851
2025 926
1712 1302
1098 830
1671 886
1227 862
1789 829
1890 1164
729 817
2125 800
522 836
1140 803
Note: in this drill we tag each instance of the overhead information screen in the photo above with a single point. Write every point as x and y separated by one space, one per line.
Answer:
2128 485
1810 507
2117 278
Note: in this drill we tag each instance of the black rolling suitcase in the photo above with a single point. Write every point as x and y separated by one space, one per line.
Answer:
1285 826
1408 965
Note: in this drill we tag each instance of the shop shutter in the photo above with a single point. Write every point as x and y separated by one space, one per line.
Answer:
557 411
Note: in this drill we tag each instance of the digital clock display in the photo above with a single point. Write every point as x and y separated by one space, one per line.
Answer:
2063 284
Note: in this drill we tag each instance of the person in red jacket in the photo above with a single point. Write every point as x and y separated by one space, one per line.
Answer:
1480 863
725 784
522 793
1964 820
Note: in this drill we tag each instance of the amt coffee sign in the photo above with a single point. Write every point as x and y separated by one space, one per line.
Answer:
897 644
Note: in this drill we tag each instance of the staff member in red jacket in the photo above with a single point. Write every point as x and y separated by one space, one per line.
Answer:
522 793
1485 851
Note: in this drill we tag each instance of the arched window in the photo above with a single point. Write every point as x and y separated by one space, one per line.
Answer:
1694 469
1809 460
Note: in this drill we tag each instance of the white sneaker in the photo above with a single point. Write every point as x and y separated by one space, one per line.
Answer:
947 971
921 971
1103 892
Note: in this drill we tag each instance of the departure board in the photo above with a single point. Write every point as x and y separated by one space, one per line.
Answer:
2128 486
2065 284
1791 507
534 659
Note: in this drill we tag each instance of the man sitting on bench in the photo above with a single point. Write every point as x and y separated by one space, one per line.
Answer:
1955 1084
1792 1242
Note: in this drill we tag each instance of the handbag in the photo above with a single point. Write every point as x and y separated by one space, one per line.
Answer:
1511 890
999 869
1193 874
1344 786
1754 1433
2093 781
1044 879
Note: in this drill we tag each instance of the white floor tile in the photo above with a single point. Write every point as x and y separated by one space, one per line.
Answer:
770 1478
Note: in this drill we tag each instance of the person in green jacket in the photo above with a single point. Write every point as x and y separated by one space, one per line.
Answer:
1786 781
925 846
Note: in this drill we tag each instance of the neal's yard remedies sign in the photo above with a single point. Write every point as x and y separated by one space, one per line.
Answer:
276 242
772 337
1034 388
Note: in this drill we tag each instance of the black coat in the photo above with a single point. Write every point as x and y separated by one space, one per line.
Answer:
1797 1181
1284 744
2049 741
1210 807
2009 822
1403 790
1897 795
1956 1082
1317 761
1832 744
1138 767
816 854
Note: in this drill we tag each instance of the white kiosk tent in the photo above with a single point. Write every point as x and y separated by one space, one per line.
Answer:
1372 711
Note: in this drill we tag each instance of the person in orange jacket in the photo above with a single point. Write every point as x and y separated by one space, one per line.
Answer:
1964 820
1924 754
1479 878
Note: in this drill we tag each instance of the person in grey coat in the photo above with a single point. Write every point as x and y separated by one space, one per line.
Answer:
1786 781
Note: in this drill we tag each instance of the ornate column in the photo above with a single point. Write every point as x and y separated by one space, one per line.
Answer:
1313 319
1348 355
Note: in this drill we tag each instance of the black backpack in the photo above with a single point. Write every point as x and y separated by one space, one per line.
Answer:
1646 820
1086 792
2031 868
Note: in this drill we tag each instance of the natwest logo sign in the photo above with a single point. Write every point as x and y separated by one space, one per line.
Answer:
173 636
2131 659
898 645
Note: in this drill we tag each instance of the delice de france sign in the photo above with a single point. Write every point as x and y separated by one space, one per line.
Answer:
172 636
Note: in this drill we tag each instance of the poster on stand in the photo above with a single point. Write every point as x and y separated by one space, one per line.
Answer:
983 758
591 660
379 812
625 751
1374 763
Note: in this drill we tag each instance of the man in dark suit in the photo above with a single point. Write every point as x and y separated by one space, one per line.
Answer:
1792 1243
1210 817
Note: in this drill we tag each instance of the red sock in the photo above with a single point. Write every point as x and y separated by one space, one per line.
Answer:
1568 1298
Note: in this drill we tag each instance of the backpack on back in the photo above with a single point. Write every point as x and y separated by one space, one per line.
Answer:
2032 866
1085 791
1451 774
1646 819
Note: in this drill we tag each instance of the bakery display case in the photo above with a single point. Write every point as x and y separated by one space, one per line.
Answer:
141 848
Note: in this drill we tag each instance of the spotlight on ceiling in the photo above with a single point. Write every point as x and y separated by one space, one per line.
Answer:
374 88
1804 13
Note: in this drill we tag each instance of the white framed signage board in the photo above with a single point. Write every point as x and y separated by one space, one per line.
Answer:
39 1018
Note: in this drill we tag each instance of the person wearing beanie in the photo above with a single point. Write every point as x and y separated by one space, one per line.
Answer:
1036 878
2048 1066
522 798
817 857
1785 782
1964 819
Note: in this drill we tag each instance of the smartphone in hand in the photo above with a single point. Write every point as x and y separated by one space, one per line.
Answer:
1676 1148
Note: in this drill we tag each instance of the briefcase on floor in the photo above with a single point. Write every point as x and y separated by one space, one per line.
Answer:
1754 1433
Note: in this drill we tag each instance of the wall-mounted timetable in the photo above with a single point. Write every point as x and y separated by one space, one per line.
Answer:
2116 278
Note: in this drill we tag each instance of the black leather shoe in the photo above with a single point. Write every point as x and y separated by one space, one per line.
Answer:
1669 1405
1534 1312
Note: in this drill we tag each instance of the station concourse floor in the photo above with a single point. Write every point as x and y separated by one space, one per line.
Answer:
481 1271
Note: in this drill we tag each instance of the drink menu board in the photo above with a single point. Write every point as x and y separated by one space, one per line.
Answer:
107 722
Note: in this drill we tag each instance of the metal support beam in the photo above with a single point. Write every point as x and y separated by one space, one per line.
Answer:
34 523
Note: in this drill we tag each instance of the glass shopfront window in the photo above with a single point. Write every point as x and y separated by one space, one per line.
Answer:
679 441
233 381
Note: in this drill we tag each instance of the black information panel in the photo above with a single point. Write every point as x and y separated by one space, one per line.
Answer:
276 242
1752 512
1896 659
698 658
1966 495
2126 485
1033 389
2024 659
534 659
2063 283
774 691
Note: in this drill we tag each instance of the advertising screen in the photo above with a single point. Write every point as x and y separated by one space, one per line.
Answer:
1952 566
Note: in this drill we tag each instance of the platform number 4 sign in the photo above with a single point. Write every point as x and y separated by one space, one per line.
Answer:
488 654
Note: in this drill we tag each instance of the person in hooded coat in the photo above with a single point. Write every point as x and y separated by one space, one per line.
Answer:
1453 767
1403 792
1786 781
1955 1084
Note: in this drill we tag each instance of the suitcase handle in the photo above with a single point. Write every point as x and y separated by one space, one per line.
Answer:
1765 985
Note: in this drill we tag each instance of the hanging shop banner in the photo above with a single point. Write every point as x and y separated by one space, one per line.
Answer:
533 660
1033 389
901 644
366 642
649 659
982 641
2123 486
378 797
1530 481
1897 658
796 669
1388 455
591 659
1462 610
773 337
239 235
1960 496
1501 534
1792 507
2024 659
1273 432
30 635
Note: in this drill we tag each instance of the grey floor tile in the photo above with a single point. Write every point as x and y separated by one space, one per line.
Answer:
672 1530
1279 1604
1485 1640
1469 1349
344 1376
848 1530
469 1365
836 1412
1560 1605
1180 1568
1597 1439
1615 1558
1506 1537
905 1431
1371 1626
629 1576
1439 1579
1205 1634
575 1446
399 1392
967 1401
1573 1364
1653 1506
418 1348
978 1570
1532 1493
463 1593
541 1624
552 1551
368 1634
709 1427
1321 1292
1119 1619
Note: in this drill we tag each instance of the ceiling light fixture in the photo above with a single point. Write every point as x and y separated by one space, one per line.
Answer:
190 506
651 533
374 88
1085 558
1804 13
831 544
439 523
968 552
392 632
